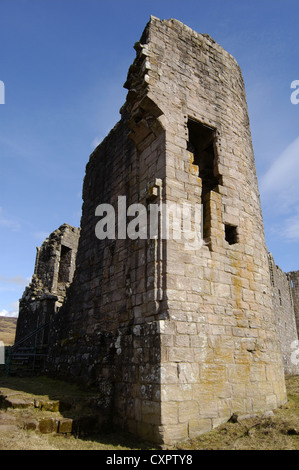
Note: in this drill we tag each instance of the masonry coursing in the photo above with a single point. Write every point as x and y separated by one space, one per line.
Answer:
177 340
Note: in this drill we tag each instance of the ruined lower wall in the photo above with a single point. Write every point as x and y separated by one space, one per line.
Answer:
106 334
294 279
283 306
54 270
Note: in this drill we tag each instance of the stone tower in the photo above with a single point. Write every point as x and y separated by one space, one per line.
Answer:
53 273
294 277
176 336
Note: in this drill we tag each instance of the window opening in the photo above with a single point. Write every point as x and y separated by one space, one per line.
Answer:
65 264
201 145
231 234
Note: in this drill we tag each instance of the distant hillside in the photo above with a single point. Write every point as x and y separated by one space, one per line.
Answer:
8 330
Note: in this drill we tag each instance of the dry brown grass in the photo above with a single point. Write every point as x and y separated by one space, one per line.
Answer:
277 432
30 440
13 437
8 330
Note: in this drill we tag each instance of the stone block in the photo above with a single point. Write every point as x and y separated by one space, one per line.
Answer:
169 373
65 426
169 413
188 410
178 354
30 424
173 392
47 405
199 426
47 425
175 433
150 412
186 328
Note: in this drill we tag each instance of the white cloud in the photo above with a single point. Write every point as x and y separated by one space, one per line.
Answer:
286 229
6 313
291 229
280 193
13 310
280 185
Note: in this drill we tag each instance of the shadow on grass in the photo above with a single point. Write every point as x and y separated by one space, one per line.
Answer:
74 402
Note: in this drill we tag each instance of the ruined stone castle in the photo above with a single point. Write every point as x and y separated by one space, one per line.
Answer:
175 340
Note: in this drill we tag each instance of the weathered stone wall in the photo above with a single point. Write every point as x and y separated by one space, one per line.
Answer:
177 340
220 351
294 277
47 289
107 333
283 306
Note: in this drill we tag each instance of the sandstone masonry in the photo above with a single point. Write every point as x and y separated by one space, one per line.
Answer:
176 340
53 273
294 279
284 298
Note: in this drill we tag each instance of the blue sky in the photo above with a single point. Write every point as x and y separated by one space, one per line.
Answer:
64 63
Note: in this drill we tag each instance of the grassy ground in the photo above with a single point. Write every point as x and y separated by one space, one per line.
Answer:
8 330
12 437
277 432
29 440
280 431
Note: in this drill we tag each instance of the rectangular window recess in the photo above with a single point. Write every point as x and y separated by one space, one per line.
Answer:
65 264
201 140
231 234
